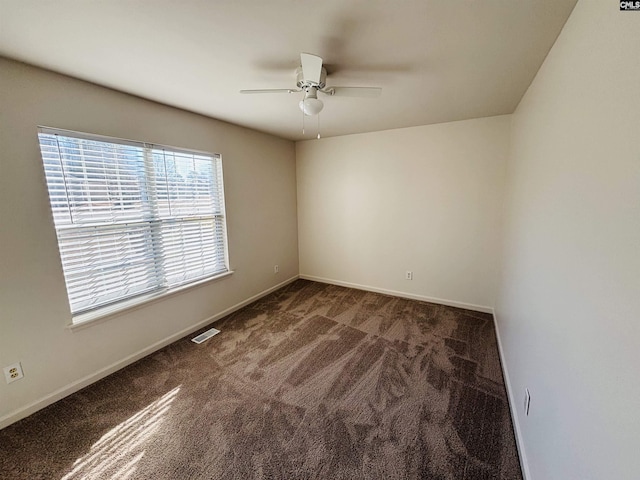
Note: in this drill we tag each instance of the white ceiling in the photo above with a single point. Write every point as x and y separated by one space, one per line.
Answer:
436 60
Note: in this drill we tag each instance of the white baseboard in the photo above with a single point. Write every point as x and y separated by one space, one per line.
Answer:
513 404
395 293
59 394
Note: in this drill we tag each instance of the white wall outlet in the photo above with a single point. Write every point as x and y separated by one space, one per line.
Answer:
527 401
409 275
276 269
13 372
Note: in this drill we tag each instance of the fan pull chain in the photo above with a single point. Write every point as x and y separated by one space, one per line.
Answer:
318 126
303 122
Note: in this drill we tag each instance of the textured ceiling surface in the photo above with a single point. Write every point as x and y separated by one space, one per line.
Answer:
436 60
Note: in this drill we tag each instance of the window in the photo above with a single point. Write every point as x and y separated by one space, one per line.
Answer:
132 218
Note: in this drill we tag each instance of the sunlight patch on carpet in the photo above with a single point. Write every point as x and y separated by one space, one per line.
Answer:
123 444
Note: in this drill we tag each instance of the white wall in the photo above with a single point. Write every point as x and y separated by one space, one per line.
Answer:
569 304
426 199
259 174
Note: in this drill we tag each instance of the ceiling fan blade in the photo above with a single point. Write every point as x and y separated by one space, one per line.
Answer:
311 67
365 92
272 90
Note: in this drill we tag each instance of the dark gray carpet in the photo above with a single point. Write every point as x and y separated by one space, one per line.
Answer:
311 382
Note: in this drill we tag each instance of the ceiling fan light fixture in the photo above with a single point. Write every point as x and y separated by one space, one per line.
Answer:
311 78
311 106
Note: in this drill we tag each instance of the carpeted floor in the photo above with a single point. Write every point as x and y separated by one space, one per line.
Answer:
313 381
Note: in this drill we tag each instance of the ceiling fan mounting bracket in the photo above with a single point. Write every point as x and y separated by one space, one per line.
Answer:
306 84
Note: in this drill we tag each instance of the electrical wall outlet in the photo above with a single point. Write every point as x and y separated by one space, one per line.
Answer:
13 372
276 269
527 401
408 275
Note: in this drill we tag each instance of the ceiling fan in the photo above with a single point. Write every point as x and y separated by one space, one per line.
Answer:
311 78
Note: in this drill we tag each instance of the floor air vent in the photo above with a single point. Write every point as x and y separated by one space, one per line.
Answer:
205 335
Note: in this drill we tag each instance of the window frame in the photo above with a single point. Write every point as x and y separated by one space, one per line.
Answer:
84 316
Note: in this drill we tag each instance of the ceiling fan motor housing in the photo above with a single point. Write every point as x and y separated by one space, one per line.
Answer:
306 84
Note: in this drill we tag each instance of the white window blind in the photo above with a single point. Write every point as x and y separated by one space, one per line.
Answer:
132 218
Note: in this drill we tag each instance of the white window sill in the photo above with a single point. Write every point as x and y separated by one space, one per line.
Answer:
91 318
